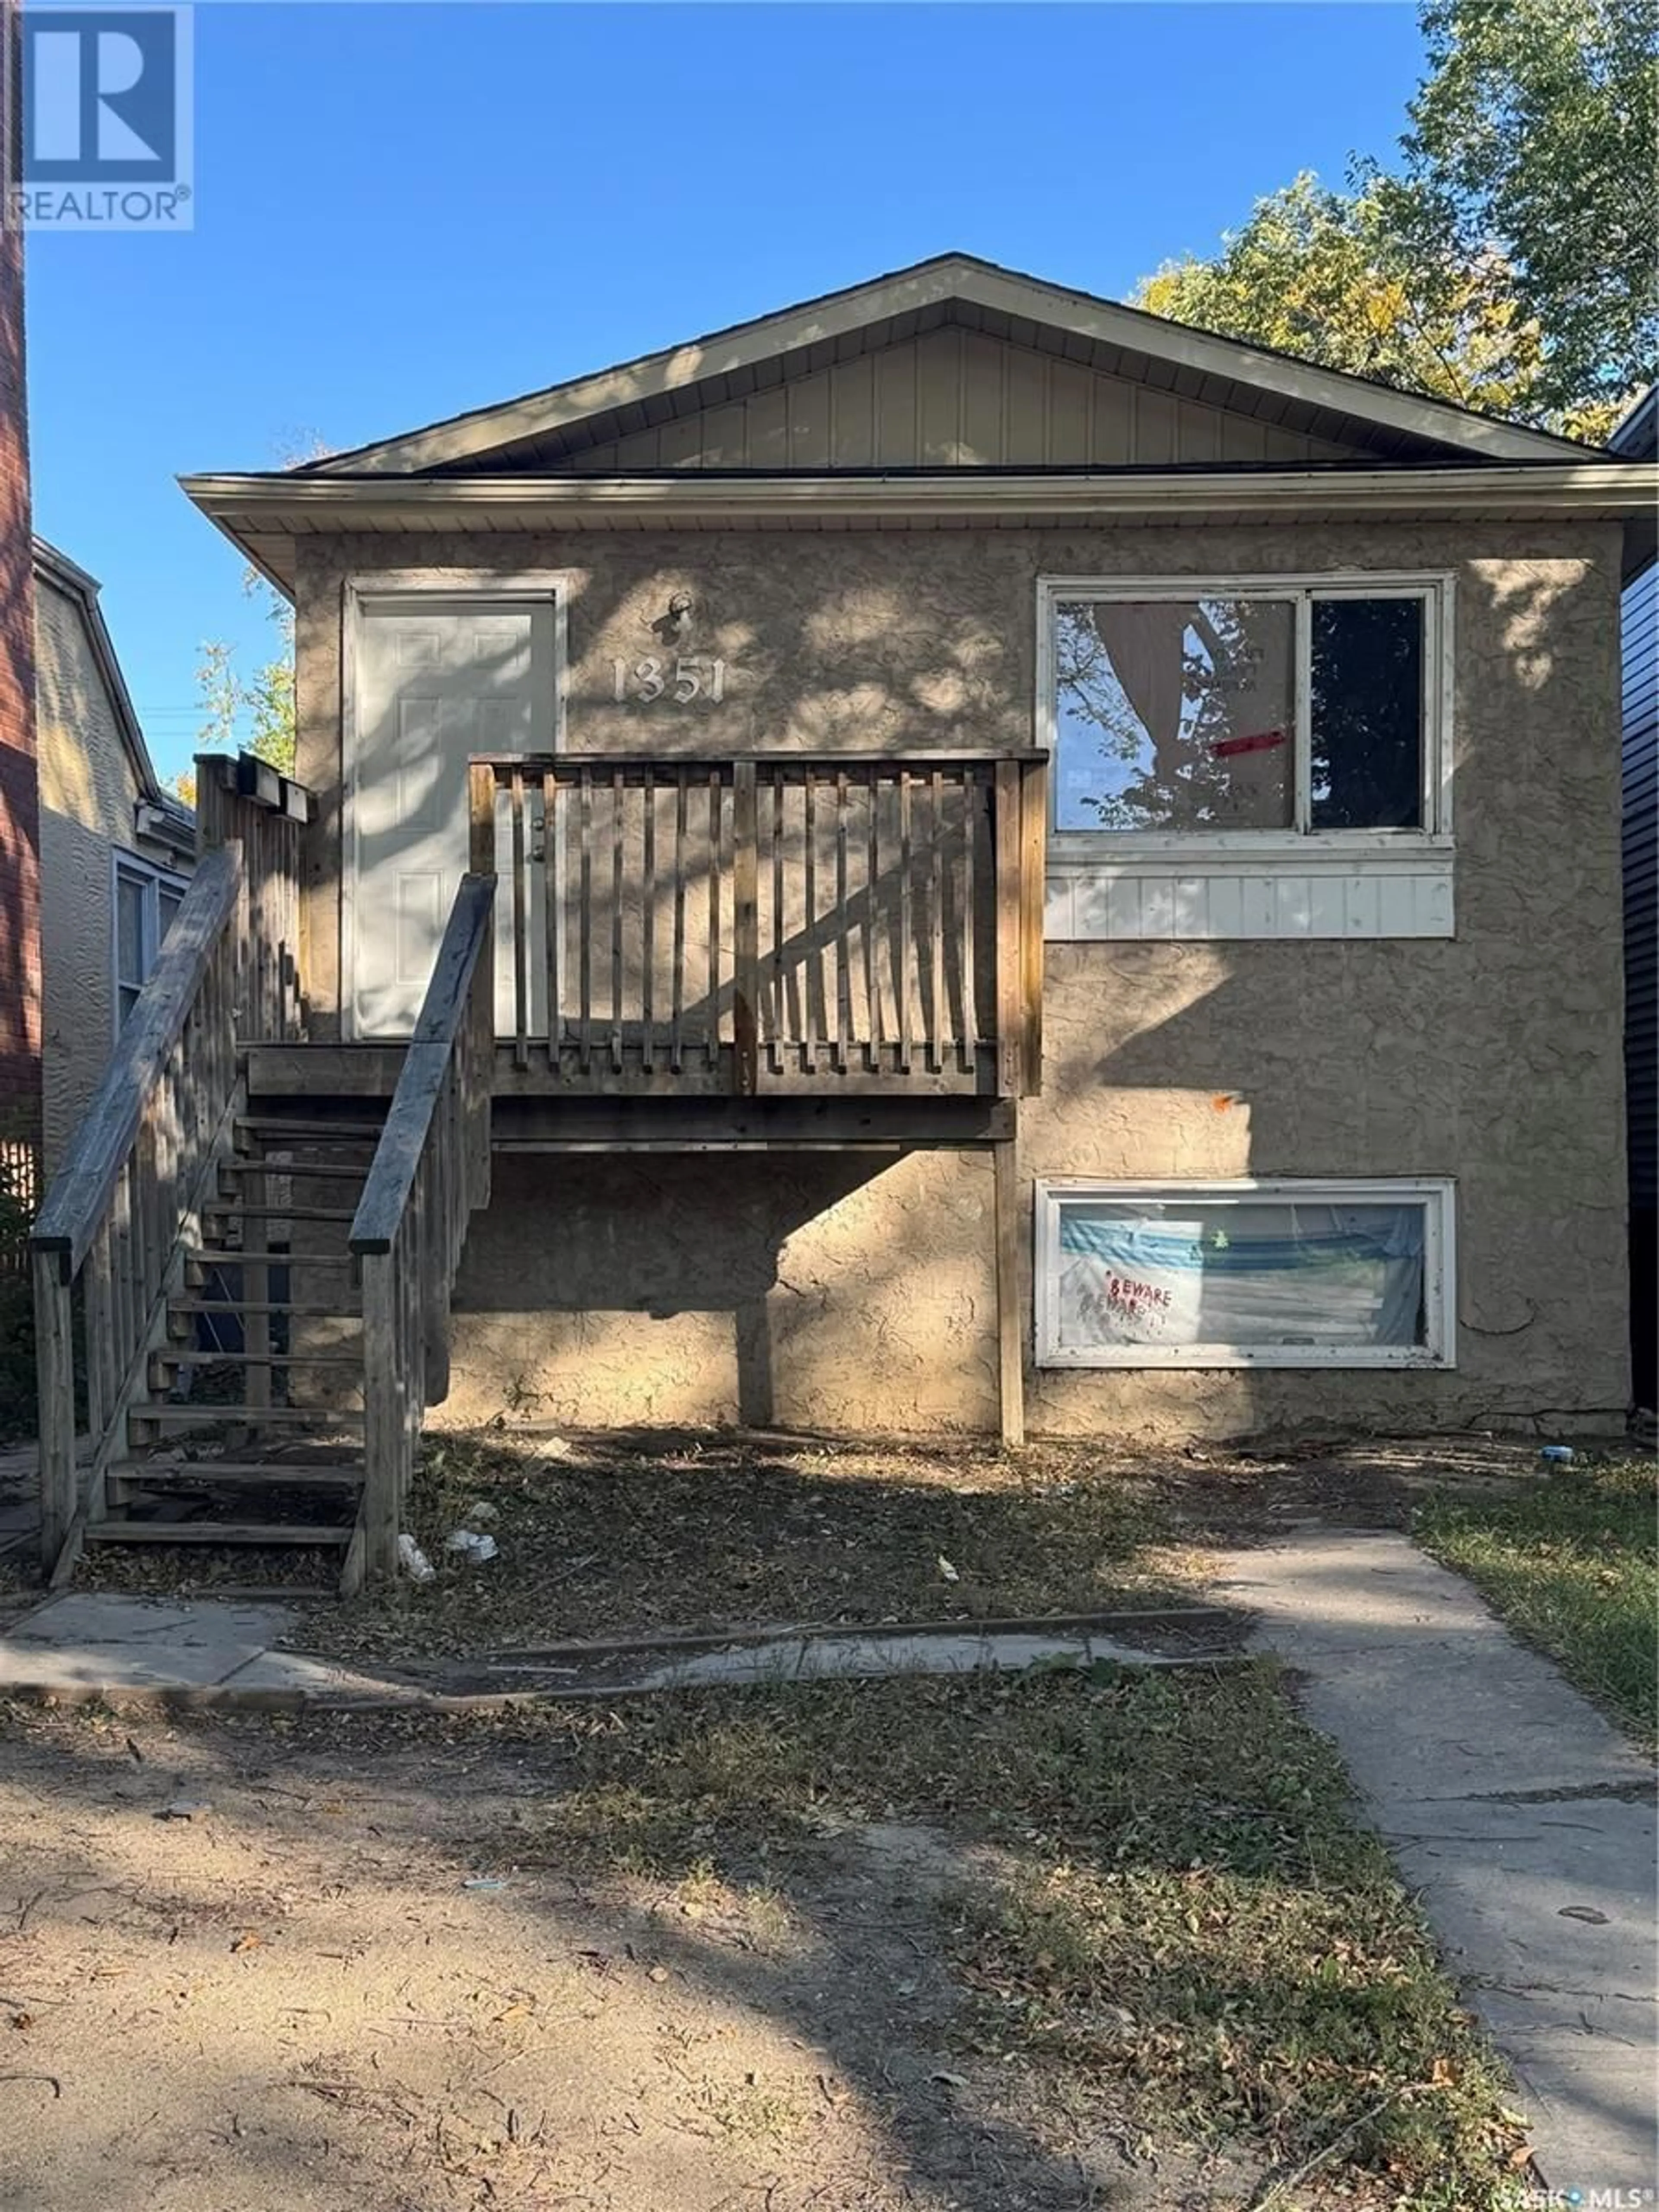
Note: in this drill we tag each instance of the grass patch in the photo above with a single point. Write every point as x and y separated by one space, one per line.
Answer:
719 1533
1571 1562
1155 1906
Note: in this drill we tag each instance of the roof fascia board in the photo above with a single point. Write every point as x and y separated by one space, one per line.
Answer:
934 283
1597 487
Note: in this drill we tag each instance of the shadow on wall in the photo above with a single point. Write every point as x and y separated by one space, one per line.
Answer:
660 1288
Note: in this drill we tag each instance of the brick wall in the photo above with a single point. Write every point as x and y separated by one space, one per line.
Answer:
20 802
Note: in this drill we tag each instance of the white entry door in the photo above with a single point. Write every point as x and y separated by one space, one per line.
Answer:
437 680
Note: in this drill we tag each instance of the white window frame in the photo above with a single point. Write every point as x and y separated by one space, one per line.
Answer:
1435 1194
1293 847
151 880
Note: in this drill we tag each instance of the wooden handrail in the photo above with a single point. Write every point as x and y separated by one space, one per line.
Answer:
784 757
80 1194
420 1083
430 1173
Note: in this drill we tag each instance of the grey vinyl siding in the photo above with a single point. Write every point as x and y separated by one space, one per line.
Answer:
1640 620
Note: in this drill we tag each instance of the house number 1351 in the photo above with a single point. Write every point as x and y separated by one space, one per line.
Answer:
682 680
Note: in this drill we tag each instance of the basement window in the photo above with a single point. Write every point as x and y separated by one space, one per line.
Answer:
1245 716
1245 1275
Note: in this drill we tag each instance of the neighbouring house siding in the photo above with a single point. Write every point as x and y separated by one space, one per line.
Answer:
20 816
828 1292
89 789
1640 617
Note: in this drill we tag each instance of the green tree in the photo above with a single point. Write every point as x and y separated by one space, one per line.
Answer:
1512 264
1324 275
1538 127
265 702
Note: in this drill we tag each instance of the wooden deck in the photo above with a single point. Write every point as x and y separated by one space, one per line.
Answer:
857 924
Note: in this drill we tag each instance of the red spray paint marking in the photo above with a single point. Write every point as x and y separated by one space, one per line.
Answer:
1263 741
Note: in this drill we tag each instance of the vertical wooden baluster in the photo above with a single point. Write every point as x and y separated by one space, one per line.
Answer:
1010 1033
901 979
872 905
745 930
812 975
677 979
520 929
938 1017
970 812
648 930
777 1047
715 863
54 1359
1033 841
618 822
552 913
585 917
100 1393
843 936
383 1414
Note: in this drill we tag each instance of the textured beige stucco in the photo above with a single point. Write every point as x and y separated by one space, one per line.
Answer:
820 1294
89 789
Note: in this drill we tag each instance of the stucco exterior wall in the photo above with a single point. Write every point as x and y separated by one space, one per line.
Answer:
89 789
822 1295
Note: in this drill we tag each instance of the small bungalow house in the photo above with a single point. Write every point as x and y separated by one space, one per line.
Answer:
955 856
116 850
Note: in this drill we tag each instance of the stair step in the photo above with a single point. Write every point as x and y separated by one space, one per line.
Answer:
171 1474
188 1355
264 1306
217 1532
238 1257
294 1167
278 1125
235 1205
249 1417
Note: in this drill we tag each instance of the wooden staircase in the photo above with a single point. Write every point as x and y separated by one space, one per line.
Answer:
252 1431
242 1304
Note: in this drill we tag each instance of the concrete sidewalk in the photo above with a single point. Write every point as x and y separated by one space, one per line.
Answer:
209 1652
1522 1817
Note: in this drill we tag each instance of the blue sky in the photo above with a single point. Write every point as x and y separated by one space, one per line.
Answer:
402 211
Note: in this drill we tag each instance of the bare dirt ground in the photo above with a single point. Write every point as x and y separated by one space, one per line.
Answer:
293 2001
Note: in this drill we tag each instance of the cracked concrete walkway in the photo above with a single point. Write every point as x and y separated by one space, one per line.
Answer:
1521 1814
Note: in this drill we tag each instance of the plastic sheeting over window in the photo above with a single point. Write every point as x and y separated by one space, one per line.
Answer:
1286 1280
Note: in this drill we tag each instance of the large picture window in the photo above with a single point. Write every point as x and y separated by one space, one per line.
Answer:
1245 1275
1266 712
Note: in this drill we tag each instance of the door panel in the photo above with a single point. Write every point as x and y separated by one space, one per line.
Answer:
436 683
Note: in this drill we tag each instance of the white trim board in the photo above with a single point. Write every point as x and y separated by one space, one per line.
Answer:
1436 1194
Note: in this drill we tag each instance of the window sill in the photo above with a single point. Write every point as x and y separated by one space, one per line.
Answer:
1351 1357
1114 889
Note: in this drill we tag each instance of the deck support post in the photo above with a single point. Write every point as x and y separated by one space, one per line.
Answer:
54 1355
1010 1355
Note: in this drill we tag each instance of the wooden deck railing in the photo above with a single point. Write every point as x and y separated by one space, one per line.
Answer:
128 1195
430 1171
769 921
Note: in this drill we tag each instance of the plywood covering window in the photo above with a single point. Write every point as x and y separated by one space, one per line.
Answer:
1282 1273
1258 732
